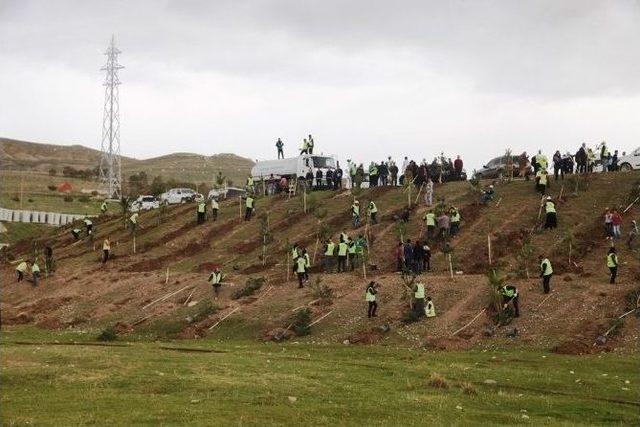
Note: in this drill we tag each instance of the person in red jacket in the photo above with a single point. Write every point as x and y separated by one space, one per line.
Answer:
457 166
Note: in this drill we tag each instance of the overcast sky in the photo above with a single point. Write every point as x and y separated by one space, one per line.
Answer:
367 78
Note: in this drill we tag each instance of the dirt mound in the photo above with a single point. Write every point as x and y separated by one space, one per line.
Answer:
448 343
366 337
257 268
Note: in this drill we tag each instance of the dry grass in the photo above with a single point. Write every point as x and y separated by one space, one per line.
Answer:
438 381
468 389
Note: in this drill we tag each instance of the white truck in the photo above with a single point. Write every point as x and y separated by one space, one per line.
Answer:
628 162
293 167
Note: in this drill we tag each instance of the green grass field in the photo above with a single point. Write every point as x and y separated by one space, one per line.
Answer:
49 380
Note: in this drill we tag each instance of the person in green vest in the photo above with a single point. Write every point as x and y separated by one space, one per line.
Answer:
542 160
300 267
328 259
551 219
106 249
35 273
214 208
295 252
546 271
612 263
133 222
351 254
250 184
353 170
310 145
542 181
373 175
510 295
361 244
430 309
305 147
103 207
454 224
343 248
76 233
307 263
202 210
430 219
88 224
372 210
215 279
355 213
370 298
21 269
418 299
249 207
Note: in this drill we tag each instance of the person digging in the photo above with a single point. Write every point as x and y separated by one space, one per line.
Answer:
370 297
510 295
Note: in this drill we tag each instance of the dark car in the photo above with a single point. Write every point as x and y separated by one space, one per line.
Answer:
497 167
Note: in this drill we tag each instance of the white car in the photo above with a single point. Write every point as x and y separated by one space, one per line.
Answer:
630 161
224 193
144 203
178 195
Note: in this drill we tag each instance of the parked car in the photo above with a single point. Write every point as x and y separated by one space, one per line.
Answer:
226 193
631 161
178 195
497 167
144 203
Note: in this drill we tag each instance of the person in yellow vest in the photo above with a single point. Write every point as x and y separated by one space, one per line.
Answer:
510 295
328 259
21 269
310 145
88 224
202 210
541 181
214 208
215 279
35 272
430 219
295 252
355 213
300 267
307 263
370 298
542 161
305 147
103 207
106 249
351 253
454 226
249 207
546 271
551 219
430 309
612 263
343 247
418 299
76 233
372 209
133 222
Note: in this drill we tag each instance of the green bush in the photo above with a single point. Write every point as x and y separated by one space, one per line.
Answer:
320 290
83 199
250 287
52 187
301 321
108 334
67 199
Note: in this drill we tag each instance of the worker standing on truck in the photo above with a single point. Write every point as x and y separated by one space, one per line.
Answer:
279 145
310 145
106 249
551 219
214 209
546 271
372 209
249 207
510 295
305 147
612 263
202 210
21 269
215 278
370 297
355 213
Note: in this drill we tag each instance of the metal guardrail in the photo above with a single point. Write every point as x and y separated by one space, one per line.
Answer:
38 217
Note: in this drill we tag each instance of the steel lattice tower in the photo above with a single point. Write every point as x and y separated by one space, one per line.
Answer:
110 167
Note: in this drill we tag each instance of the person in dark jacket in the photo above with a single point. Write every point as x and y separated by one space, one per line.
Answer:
581 159
457 167
319 179
557 165
408 255
418 257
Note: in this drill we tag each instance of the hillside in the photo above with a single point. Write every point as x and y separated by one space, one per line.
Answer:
34 157
174 254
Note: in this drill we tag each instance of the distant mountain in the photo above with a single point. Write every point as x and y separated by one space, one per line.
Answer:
23 155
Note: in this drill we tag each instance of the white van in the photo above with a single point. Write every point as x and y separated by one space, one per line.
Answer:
178 195
294 167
